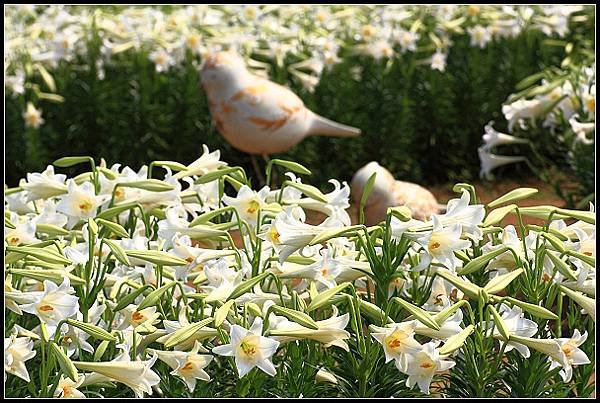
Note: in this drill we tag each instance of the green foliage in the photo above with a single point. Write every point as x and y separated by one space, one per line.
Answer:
424 125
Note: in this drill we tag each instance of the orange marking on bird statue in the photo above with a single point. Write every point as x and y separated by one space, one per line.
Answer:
226 107
268 124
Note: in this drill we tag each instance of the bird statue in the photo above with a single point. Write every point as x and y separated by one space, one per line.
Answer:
389 192
256 115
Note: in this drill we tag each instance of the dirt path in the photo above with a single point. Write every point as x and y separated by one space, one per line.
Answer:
488 191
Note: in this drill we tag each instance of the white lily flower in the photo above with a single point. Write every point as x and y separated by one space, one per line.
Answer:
32 116
516 324
570 354
398 342
187 365
131 316
44 185
589 100
326 269
248 203
469 216
289 234
14 297
222 279
581 129
490 161
522 109
137 375
443 293
68 389
79 203
53 304
18 203
24 233
493 138
407 40
480 36
336 204
330 332
440 244
438 61
424 364
162 60
250 349
196 257
17 350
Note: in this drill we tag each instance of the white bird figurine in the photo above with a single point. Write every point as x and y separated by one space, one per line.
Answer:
256 115
388 192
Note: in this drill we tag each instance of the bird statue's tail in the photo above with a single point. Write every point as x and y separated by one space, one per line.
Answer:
325 127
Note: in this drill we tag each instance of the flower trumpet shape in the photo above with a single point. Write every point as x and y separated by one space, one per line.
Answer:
68 389
44 185
17 350
138 375
330 332
493 138
490 161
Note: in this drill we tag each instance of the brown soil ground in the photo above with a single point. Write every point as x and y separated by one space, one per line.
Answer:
488 191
